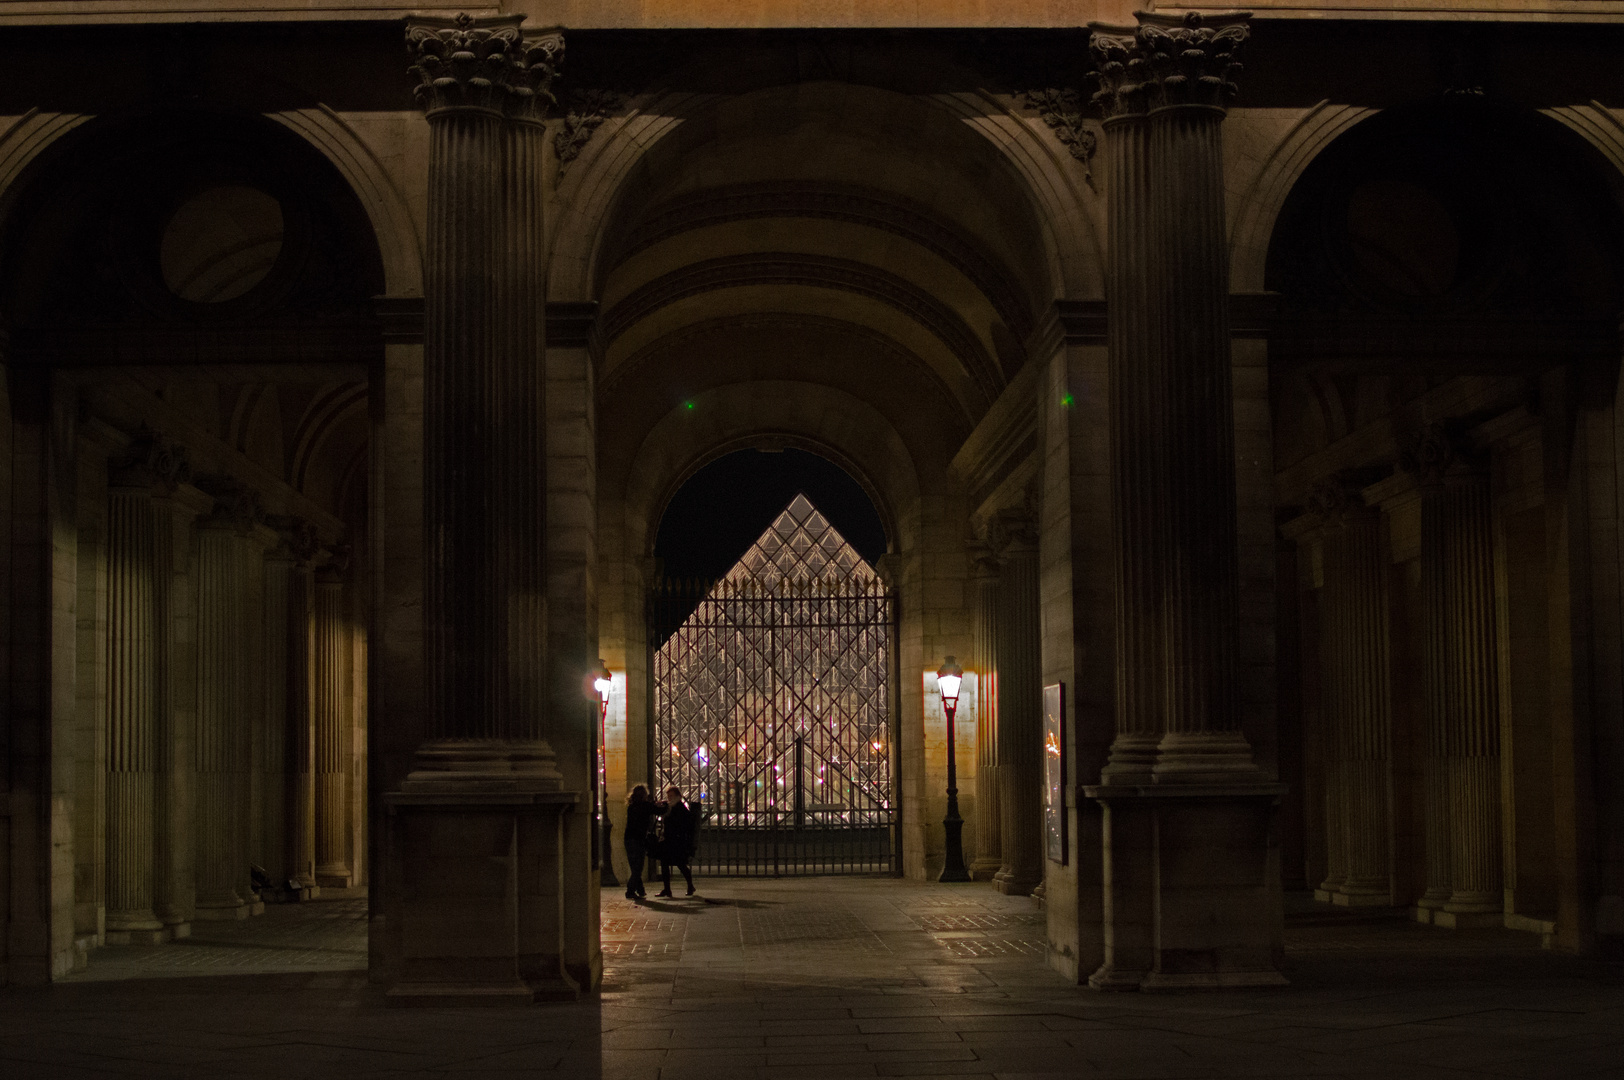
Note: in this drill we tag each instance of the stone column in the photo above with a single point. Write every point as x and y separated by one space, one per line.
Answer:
218 816
175 606
332 728
984 660
275 748
252 543
486 789
1436 665
1020 709
302 683
1357 702
1185 804
1471 740
132 706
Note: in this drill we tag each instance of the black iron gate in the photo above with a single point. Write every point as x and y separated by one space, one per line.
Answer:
772 706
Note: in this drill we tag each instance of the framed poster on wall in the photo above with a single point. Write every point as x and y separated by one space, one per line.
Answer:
1054 771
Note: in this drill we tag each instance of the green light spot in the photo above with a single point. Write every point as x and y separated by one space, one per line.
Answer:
1066 400
688 405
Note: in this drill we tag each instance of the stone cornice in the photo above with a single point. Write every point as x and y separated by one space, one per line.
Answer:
1166 61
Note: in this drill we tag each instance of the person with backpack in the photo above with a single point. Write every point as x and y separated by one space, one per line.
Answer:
641 819
679 838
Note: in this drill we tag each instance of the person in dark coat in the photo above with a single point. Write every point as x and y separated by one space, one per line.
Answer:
680 837
640 814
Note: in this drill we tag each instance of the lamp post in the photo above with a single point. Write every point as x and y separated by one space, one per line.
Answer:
953 869
602 682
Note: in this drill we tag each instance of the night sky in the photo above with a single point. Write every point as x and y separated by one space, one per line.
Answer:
719 512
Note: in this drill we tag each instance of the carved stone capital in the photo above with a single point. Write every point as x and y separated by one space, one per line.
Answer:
236 505
536 64
150 462
1337 502
465 63
1167 61
1013 530
1438 454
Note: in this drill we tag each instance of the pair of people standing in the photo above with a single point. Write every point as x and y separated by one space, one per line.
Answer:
669 831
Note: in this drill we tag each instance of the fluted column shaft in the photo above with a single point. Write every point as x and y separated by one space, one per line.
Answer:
484 401
302 683
248 730
1435 765
989 817
332 742
1020 720
274 748
218 743
132 710
1358 706
1472 735
1171 406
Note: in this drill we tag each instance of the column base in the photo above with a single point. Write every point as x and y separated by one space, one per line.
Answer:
1016 885
178 930
220 910
337 877
1468 920
985 869
476 898
136 937
1192 886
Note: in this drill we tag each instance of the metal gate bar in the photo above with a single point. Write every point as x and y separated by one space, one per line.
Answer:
771 706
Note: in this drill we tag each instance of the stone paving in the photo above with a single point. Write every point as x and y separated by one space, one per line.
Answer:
819 978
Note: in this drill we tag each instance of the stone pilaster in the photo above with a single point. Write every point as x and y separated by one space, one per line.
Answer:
132 706
219 742
252 722
1472 731
1020 707
334 868
486 786
1357 701
984 662
1182 795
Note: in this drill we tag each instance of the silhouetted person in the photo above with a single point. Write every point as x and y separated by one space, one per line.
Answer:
679 837
641 811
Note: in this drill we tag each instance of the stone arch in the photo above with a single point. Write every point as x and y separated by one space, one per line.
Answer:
594 188
393 223
1255 215
30 136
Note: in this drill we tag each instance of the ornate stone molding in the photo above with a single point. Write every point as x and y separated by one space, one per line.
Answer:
1062 110
236 505
584 111
1167 61
1336 501
464 63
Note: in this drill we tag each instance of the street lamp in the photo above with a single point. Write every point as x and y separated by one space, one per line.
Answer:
947 679
602 682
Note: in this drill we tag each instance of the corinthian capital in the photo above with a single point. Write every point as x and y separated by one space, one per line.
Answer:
464 63
1167 61
536 64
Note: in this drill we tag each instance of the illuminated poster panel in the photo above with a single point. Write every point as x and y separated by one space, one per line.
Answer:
1054 771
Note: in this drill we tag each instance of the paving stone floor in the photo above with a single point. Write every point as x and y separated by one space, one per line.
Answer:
828 977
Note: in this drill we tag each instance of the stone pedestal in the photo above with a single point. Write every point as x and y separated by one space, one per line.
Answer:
478 918
1192 887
